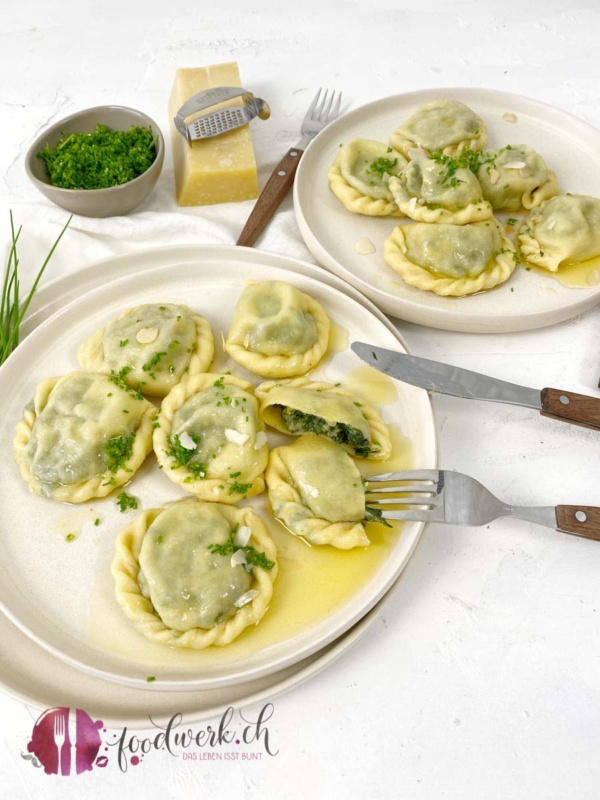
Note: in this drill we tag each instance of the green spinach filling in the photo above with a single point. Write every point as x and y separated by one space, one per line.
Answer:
299 422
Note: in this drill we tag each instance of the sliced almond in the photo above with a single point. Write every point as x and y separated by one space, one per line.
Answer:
242 537
235 437
247 339
551 224
509 116
186 441
412 205
246 598
494 176
261 440
146 335
515 165
364 246
239 557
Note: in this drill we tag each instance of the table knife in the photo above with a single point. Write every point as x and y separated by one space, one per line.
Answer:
578 409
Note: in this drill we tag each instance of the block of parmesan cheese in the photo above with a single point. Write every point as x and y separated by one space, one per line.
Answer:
221 169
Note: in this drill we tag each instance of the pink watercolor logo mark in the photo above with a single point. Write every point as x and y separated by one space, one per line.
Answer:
66 742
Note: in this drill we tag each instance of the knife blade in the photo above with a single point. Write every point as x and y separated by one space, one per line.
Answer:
434 376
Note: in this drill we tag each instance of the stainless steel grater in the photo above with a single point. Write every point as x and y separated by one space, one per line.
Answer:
225 119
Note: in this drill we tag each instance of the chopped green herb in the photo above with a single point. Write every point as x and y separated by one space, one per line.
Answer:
512 221
150 679
162 308
160 539
99 159
97 521
183 457
239 488
381 166
118 451
149 365
253 557
125 501
235 474
123 342
70 537
118 378
468 159
220 383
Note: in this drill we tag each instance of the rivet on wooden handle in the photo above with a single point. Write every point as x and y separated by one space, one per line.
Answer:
271 196
579 520
579 409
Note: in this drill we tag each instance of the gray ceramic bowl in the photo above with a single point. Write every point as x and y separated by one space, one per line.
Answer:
96 202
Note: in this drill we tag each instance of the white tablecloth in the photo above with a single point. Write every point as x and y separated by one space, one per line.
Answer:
481 679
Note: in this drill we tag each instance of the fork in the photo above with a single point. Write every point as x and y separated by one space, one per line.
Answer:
59 739
322 111
432 495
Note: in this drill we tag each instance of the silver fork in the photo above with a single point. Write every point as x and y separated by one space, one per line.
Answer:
323 109
59 738
432 495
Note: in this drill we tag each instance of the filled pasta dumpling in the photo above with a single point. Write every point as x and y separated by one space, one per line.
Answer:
317 492
194 574
277 331
210 439
563 230
358 177
446 125
82 436
451 259
301 406
427 191
151 346
516 177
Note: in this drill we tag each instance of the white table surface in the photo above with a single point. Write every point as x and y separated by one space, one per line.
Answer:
482 678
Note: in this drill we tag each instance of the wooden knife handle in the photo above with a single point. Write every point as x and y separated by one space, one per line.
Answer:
579 520
271 196
579 409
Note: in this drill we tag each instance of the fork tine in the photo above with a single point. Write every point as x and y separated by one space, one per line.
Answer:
405 501
319 112
325 114
336 109
417 487
313 105
408 475
412 516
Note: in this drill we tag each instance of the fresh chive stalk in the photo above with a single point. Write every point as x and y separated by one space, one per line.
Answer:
12 311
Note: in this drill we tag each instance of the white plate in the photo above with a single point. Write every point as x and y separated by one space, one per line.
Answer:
61 594
33 676
528 300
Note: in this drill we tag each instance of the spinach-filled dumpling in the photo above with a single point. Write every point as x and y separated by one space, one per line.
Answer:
516 177
277 331
358 177
451 259
194 574
210 439
563 230
151 347
446 125
426 192
301 406
82 436
317 492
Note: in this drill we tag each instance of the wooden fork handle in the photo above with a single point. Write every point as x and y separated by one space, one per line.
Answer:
579 520
579 409
271 196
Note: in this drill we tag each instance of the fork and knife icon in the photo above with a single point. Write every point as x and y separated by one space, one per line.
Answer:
65 738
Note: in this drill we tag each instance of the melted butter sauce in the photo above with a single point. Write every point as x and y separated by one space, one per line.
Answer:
74 522
373 386
338 338
313 582
582 275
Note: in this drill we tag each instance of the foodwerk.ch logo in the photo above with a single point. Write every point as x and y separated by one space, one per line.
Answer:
66 741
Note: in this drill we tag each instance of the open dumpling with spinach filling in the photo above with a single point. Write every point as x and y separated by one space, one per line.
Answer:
358 177
151 347
515 177
210 439
563 230
452 260
428 190
194 574
83 435
277 331
317 492
446 125
301 406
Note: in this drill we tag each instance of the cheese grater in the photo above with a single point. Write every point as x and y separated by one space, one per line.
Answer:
225 119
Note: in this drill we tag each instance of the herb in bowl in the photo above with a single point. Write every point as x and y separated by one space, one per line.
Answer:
100 159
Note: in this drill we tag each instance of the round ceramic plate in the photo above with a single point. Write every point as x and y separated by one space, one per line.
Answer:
31 675
61 593
528 299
